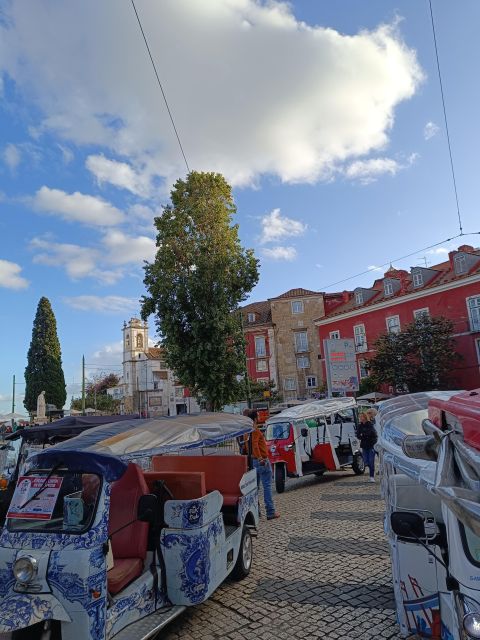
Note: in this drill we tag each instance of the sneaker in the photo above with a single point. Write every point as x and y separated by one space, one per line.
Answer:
274 517
372 479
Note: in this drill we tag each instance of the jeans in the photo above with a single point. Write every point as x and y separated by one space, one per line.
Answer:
369 459
264 474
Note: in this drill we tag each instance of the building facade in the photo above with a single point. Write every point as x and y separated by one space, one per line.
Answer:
282 341
148 387
450 289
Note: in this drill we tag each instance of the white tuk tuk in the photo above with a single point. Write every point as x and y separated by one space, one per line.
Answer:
430 463
312 438
113 533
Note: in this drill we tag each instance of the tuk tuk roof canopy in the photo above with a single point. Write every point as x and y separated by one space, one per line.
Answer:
106 449
318 407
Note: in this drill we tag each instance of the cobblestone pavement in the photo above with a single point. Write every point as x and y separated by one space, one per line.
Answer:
321 571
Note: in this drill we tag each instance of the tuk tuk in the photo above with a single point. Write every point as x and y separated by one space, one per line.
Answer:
312 438
430 464
113 533
18 446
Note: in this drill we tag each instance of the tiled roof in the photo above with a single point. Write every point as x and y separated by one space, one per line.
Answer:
297 293
154 353
445 274
262 311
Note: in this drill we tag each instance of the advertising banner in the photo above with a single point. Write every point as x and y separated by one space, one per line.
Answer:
35 497
341 365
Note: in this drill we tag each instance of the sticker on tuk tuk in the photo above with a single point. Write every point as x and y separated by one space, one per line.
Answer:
35 497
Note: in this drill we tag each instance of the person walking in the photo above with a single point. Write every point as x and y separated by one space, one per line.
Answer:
262 465
368 437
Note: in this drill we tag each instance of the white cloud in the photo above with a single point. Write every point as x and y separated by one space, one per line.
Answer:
289 111
112 352
103 304
12 156
124 249
120 174
280 253
77 207
275 227
105 262
373 267
439 251
367 171
10 277
67 154
430 130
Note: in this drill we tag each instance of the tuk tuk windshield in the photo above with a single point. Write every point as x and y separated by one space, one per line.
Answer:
57 501
278 431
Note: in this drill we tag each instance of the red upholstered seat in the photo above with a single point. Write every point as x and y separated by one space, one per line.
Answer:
129 545
222 473
184 485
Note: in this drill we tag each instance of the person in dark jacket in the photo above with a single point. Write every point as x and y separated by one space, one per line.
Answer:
368 437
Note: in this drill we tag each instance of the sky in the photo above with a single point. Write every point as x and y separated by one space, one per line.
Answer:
326 118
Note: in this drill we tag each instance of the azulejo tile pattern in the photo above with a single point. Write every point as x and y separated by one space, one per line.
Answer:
313 591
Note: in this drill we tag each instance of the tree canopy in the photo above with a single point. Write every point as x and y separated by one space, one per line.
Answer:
200 275
96 396
44 361
422 357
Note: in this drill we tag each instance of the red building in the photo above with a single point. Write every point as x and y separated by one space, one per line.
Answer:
450 289
260 342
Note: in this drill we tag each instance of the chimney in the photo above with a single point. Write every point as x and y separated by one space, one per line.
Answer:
466 248
451 256
345 296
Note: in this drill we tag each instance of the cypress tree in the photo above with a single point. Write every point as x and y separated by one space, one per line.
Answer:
44 361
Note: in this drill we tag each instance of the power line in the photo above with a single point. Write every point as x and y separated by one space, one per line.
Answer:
389 262
445 118
160 85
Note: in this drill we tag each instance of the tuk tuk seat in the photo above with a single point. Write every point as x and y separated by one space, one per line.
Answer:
184 485
129 545
222 473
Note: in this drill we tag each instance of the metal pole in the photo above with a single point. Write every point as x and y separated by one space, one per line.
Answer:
83 385
247 377
13 400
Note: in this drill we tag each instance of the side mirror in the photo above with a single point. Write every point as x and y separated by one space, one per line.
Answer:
147 508
421 447
407 524
304 432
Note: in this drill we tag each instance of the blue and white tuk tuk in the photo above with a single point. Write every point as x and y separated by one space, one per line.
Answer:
113 533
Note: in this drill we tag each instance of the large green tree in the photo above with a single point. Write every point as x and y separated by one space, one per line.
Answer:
200 275
422 357
44 361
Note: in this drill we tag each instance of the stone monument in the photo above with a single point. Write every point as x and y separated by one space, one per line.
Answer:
41 418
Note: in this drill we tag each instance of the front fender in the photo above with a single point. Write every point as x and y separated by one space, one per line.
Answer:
21 610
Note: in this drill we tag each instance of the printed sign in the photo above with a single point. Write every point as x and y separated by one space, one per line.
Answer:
42 506
341 364
155 401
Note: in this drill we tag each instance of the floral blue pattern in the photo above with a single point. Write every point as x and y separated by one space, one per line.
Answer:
192 514
248 503
22 610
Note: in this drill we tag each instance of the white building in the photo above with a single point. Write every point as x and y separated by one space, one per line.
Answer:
148 387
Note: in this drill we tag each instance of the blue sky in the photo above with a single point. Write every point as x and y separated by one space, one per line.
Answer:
325 116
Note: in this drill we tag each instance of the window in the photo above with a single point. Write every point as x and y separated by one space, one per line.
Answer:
311 382
301 341
417 277
360 337
303 362
260 347
334 335
289 384
419 313
359 297
139 341
388 288
251 317
261 365
474 312
297 306
460 264
363 368
393 324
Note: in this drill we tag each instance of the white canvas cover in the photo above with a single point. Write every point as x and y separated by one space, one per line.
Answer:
324 407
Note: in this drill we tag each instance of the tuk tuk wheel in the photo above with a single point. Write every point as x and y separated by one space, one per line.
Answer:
245 556
280 478
358 464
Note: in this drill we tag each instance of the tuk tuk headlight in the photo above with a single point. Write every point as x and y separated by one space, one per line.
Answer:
471 625
25 569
